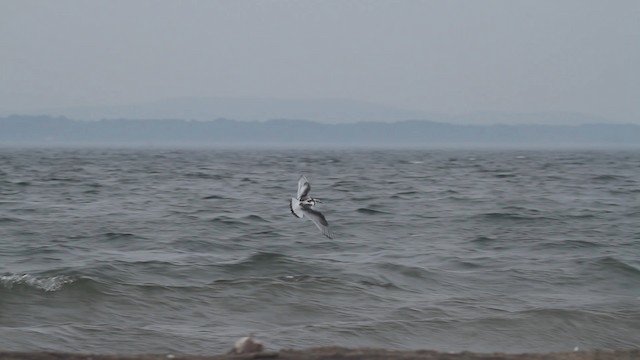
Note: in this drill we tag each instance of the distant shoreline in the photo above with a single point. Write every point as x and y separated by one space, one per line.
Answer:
282 133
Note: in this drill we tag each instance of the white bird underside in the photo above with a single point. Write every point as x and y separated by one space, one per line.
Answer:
303 205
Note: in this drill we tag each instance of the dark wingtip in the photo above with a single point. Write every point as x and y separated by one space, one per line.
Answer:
291 208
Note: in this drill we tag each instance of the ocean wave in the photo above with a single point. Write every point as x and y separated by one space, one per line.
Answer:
272 281
254 218
226 220
607 178
208 176
407 192
248 180
259 258
345 185
622 191
238 220
8 219
22 183
567 244
582 215
271 265
504 175
499 216
217 197
364 198
410 271
368 211
63 179
119 236
411 194
483 239
45 283
160 252
609 263
388 285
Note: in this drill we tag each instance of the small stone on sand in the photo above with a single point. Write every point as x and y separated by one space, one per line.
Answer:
247 345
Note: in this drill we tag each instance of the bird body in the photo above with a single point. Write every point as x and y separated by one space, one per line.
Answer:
303 205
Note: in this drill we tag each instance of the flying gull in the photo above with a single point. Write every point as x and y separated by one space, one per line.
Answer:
303 205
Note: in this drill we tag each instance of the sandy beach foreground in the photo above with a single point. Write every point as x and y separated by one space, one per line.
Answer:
339 353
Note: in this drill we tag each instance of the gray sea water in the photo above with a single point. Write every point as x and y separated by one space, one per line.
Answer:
184 251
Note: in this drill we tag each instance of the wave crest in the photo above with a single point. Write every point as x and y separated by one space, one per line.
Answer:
45 283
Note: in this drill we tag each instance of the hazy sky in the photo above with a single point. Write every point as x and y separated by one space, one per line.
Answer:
435 56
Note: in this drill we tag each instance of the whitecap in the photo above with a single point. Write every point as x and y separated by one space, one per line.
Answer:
46 283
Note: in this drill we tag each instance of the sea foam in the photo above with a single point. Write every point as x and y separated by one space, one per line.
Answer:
45 283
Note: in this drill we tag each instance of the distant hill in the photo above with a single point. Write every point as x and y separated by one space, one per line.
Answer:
205 109
46 130
330 111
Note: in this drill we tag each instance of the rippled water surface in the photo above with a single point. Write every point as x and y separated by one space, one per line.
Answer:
184 251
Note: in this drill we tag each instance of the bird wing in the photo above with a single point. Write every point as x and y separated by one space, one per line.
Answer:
296 210
303 188
318 219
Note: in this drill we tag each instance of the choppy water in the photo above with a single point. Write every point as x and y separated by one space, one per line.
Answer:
184 251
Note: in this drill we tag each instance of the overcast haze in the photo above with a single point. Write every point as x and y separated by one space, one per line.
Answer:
449 57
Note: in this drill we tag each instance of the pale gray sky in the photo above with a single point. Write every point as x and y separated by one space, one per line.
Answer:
449 57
